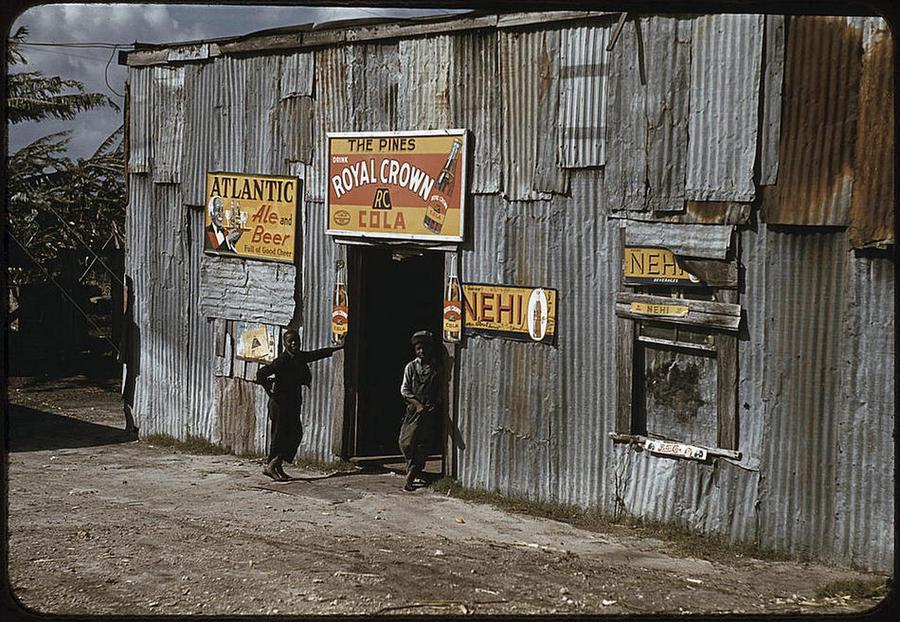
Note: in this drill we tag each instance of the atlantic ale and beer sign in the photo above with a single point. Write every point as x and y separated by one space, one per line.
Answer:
251 216
655 266
400 185
519 313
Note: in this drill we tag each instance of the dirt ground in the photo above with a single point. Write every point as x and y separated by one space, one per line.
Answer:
103 524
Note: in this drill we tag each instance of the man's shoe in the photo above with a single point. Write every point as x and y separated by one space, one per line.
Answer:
271 473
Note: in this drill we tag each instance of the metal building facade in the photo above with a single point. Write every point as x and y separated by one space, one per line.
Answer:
571 142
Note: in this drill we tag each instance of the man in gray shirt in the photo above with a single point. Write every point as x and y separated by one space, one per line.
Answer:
421 390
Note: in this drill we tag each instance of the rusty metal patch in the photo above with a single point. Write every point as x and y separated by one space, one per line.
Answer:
872 208
236 405
818 131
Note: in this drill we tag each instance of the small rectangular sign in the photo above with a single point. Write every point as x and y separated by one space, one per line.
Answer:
252 216
255 342
659 310
670 448
520 313
397 185
655 266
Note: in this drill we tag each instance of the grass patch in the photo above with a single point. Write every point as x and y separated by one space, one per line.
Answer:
682 541
855 588
191 444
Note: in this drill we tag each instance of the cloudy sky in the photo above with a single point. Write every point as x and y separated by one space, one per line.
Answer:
124 24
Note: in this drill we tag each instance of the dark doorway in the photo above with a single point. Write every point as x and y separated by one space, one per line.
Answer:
392 295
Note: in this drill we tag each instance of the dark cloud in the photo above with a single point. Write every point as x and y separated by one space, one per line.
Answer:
125 24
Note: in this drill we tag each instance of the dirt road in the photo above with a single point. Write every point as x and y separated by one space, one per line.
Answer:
100 524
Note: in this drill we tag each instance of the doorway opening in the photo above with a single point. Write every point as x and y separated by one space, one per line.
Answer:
392 295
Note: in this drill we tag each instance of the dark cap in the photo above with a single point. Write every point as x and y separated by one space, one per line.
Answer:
422 336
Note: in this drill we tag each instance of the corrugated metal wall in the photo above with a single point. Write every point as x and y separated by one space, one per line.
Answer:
814 424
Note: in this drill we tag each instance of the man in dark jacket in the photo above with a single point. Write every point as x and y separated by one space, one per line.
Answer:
291 371
421 390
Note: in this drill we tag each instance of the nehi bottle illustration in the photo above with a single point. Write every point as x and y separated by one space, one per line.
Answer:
437 206
452 307
339 316
538 314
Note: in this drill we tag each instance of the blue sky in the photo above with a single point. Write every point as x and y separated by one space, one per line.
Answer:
146 23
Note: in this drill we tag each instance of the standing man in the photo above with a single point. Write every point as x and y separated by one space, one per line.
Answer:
291 371
421 390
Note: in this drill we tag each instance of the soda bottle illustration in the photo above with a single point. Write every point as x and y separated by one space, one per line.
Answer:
437 205
339 315
452 307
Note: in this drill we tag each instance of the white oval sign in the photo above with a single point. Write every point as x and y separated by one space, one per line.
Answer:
538 312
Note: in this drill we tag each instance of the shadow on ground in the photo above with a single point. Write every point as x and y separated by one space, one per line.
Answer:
36 430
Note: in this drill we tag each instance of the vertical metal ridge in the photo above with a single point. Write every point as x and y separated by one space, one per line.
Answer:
668 51
819 113
872 207
316 280
519 93
582 99
423 101
168 123
474 103
724 96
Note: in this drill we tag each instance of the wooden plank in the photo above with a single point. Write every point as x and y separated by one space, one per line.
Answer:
727 383
624 374
700 306
514 20
713 272
339 421
694 318
639 439
219 339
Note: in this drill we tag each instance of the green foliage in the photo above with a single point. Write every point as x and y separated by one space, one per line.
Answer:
57 203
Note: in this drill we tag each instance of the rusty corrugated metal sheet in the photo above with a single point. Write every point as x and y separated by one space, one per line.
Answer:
475 104
626 134
229 102
724 103
140 133
818 123
805 303
168 123
548 176
872 206
317 280
161 273
864 495
714 498
587 276
423 95
331 113
706 241
203 421
380 99
668 51
297 75
582 96
200 126
773 76
262 139
255 291
751 351
520 56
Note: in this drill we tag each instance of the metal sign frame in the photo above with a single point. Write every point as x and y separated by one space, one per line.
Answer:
463 166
